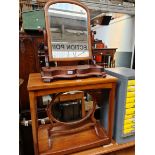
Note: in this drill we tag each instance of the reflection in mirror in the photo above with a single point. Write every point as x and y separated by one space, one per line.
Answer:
70 107
67 111
69 30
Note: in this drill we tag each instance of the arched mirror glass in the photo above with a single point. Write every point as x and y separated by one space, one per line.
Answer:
68 28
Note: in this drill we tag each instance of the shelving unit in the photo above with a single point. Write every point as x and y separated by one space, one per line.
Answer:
124 126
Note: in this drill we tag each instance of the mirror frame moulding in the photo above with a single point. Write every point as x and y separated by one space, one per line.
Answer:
49 36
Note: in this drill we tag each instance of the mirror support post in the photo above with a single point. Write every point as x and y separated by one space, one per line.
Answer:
46 48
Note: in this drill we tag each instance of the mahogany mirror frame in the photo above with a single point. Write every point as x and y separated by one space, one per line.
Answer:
49 35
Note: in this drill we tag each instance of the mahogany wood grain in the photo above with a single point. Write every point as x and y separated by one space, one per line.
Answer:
69 72
28 63
106 149
104 52
125 151
35 83
71 131
71 142
72 88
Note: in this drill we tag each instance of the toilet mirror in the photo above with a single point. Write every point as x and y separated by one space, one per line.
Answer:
68 30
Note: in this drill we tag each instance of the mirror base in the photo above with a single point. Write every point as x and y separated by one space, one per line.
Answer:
49 74
72 142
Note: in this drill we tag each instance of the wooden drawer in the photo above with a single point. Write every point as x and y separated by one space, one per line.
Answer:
129 125
131 83
130 99
130 94
131 88
129 116
130 105
128 121
130 130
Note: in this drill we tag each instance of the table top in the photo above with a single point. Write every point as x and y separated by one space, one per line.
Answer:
104 48
35 82
111 148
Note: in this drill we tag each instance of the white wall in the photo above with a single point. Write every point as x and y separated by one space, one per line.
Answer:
120 33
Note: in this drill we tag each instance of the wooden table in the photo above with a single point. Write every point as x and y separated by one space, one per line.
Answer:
111 148
38 88
105 53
